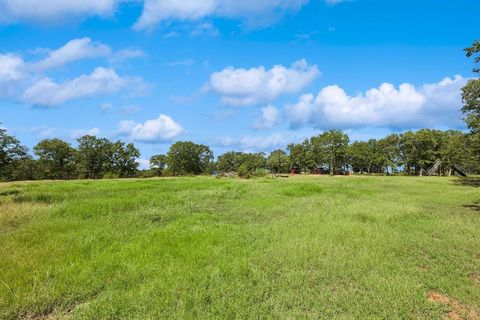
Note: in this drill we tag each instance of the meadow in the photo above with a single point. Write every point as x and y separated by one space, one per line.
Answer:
313 247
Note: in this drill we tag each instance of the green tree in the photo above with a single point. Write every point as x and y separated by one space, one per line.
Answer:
158 163
278 161
361 156
56 158
189 158
471 100
122 159
10 151
390 148
334 145
25 169
93 156
229 161
299 154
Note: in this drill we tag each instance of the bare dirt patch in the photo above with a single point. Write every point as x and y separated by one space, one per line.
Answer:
475 278
458 310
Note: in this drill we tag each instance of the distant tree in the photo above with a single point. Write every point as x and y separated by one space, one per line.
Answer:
158 164
456 151
299 155
361 156
10 151
229 161
189 158
93 156
26 168
278 161
334 145
122 159
408 152
390 150
56 158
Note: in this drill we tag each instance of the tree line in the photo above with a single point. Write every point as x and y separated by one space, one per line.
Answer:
410 153
331 152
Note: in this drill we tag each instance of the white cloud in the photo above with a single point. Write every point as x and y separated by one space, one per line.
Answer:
251 86
270 117
161 129
78 133
46 92
74 50
252 11
18 76
10 67
52 11
11 71
387 106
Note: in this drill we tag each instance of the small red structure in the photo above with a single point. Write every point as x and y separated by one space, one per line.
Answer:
295 170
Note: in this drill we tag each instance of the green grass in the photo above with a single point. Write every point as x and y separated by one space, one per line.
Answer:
186 248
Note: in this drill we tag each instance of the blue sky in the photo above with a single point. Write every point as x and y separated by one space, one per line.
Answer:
250 75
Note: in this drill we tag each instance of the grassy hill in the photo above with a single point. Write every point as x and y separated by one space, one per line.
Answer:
303 247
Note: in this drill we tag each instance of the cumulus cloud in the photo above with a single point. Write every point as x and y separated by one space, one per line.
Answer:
74 50
161 129
405 106
240 87
155 11
26 81
46 92
53 10
270 117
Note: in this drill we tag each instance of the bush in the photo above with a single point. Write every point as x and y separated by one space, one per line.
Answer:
260 172
243 171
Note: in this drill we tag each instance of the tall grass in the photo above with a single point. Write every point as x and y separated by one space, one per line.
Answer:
304 247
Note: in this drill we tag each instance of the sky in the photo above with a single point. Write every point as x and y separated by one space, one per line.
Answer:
234 75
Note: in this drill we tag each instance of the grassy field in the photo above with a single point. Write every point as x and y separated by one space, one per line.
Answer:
186 248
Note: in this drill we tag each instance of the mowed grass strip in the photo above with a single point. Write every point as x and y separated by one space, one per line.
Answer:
186 248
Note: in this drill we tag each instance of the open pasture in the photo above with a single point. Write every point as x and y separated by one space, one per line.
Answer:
298 248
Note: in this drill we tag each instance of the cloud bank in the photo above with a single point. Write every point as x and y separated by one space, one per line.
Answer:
405 106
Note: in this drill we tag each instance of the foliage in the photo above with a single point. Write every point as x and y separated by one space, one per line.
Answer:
10 151
411 152
122 159
158 164
471 100
278 161
185 158
56 158
333 146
